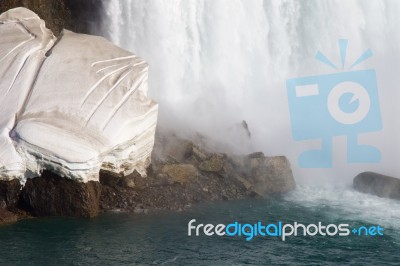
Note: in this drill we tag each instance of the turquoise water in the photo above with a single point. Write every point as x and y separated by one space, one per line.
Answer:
161 238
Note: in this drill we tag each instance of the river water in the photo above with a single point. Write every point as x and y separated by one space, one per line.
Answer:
161 238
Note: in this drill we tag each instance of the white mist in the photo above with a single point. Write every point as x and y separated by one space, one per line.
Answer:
214 63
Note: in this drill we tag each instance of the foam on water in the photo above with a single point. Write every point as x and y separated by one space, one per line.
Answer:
346 203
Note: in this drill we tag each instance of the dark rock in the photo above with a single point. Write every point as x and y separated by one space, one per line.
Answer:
54 12
9 197
258 154
7 217
76 15
246 128
116 193
377 184
51 195
9 194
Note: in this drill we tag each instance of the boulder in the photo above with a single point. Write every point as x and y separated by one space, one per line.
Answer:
271 175
377 184
180 173
214 164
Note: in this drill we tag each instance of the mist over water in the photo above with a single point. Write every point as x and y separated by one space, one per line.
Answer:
215 63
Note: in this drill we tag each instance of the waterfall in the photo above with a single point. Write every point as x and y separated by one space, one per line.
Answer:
214 63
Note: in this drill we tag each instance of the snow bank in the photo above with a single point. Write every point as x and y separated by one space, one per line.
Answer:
73 105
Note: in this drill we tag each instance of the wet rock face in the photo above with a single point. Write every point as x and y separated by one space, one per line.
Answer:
51 195
377 184
76 15
9 194
55 12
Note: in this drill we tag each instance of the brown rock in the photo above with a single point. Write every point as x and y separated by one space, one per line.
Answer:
51 195
180 173
7 217
9 198
214 164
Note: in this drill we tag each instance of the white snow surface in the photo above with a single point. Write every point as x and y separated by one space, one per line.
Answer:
72 105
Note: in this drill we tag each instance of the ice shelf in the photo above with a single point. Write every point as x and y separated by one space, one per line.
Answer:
72 105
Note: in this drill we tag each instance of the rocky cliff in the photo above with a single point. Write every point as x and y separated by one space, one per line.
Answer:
75 15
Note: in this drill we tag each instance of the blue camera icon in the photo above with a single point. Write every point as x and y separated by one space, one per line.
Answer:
325 106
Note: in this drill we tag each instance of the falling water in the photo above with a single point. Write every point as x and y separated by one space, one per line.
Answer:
214 63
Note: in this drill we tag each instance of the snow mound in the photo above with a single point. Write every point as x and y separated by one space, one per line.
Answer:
72 105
